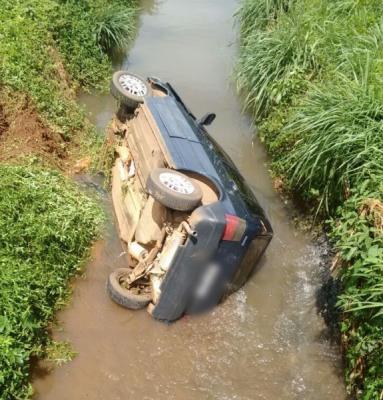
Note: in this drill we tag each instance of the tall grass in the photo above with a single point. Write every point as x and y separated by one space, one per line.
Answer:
341 144
310 72
114 28
258 14
273 66
87 31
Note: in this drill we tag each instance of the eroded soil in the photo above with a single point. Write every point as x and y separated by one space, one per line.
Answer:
3 122
25 137
24 134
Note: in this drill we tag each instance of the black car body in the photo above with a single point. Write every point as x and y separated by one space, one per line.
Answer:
226 237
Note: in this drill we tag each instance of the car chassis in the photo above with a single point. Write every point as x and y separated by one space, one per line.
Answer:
190 224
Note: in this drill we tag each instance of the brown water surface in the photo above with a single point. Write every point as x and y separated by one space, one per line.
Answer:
264 342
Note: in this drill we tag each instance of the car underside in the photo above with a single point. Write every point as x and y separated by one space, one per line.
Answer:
179 223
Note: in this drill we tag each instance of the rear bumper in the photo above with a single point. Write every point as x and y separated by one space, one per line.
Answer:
208 268
182 278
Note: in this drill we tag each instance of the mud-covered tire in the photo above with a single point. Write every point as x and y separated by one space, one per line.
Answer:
174 189
129 98
123 296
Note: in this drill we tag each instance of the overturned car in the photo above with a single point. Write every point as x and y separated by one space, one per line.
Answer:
190 224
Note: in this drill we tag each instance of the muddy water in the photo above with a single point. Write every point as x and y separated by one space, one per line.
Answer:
264 342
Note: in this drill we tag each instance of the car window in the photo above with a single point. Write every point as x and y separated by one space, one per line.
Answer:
245 192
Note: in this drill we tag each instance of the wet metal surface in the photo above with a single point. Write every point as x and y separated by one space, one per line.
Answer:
264 342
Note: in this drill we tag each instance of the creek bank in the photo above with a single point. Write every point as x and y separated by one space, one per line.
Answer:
309 73
48 50
23 134
47 226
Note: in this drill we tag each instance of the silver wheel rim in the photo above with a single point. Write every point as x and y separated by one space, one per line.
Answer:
133 85
177 183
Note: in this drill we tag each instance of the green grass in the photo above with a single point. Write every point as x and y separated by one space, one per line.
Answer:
36 35
340 143
259 14
273 67
358 234
310 73
114 26
86 32
48 50
46 227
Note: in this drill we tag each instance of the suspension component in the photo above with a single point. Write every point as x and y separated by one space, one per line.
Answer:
137 251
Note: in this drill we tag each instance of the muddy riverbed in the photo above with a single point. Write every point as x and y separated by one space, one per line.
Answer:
264 342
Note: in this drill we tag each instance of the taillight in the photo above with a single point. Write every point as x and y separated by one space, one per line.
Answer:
234 229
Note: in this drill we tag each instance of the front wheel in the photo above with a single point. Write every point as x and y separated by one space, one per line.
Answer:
129 89
133 298
174 189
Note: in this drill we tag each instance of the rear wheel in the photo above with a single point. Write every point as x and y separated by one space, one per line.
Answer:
129 89
133 298
174 189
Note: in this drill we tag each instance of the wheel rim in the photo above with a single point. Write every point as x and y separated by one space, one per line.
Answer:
177 183
133 85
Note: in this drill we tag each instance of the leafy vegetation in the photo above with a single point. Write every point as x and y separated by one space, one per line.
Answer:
46 227
48 49
341 130
48 46
310 74
358 234
114 26
87 31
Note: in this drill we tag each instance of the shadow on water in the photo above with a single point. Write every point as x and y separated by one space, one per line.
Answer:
327 293
267 340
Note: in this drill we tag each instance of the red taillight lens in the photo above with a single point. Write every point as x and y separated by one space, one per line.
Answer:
234 229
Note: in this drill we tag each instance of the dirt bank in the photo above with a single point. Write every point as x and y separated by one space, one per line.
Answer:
48 49
23 134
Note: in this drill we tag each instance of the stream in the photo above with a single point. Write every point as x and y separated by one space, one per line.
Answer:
266 341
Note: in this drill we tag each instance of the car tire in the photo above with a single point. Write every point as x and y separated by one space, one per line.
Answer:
173 189
130 92
123 296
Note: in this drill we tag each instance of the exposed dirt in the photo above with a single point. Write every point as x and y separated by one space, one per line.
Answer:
3 122
374 209
23 134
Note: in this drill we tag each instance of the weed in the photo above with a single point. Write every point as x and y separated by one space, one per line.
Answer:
274 65
59 352
358 236
310 74
255 15
32 31
340 140
114 28
46 227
